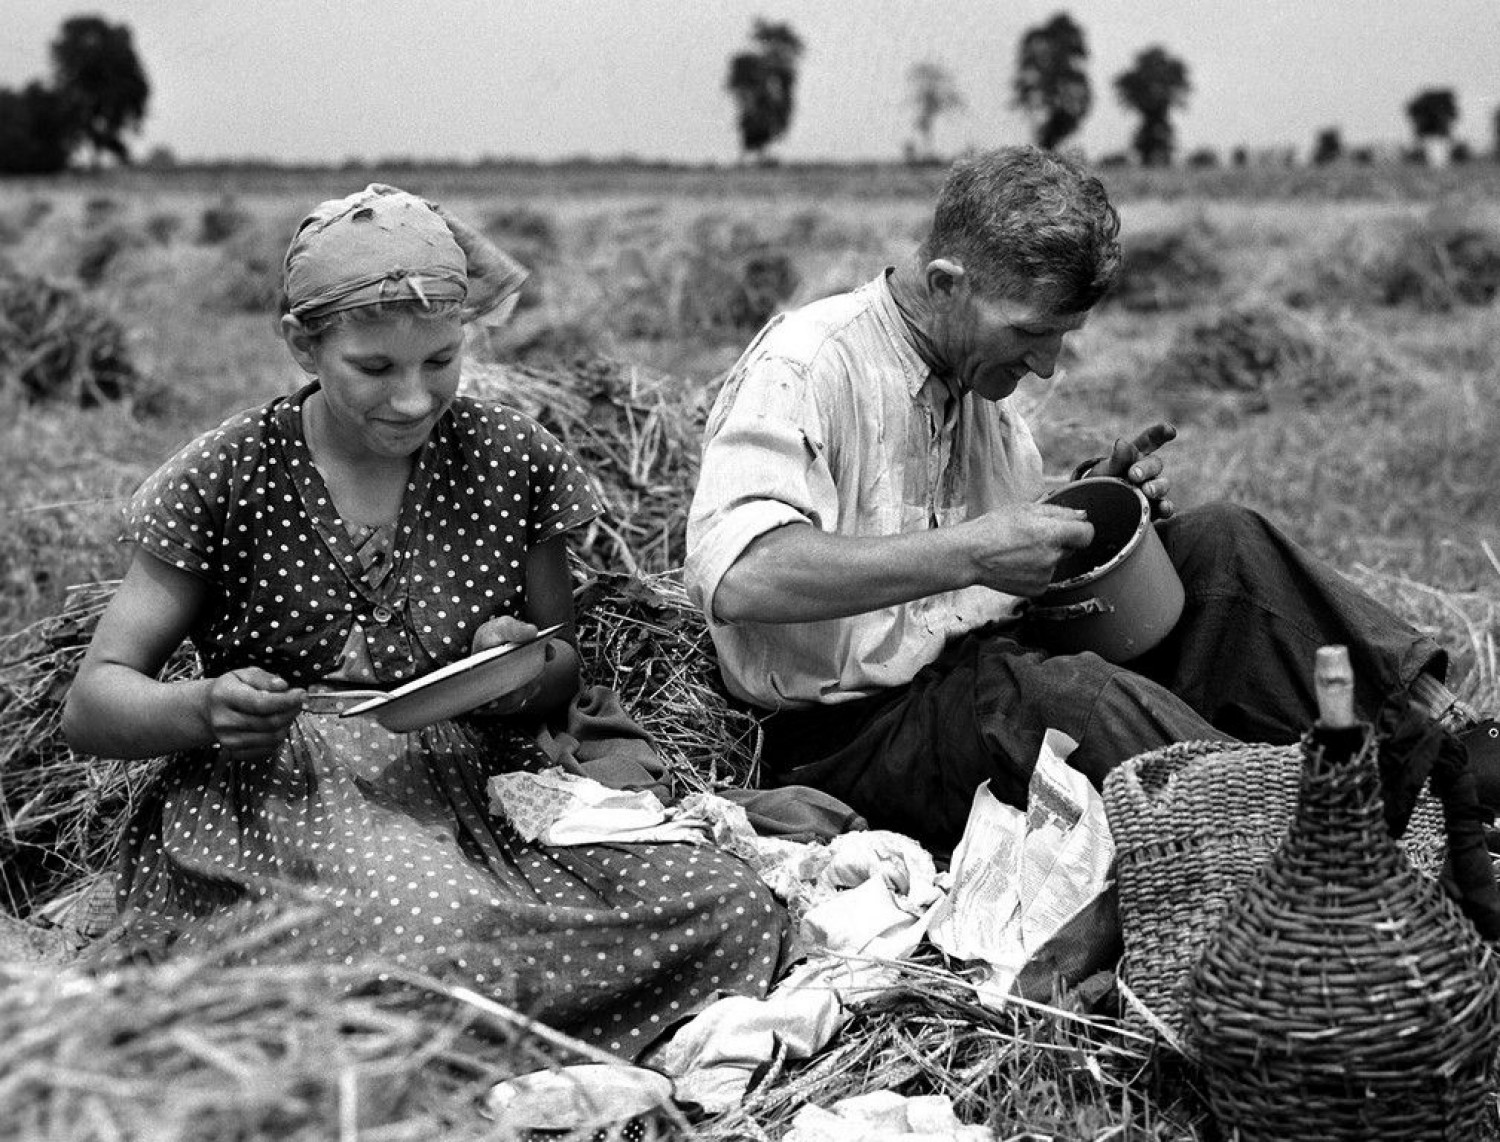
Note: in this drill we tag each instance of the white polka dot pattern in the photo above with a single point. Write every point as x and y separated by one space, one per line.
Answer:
244 508
390 832
612 943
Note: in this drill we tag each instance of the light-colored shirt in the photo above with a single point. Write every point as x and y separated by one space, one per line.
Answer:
831 418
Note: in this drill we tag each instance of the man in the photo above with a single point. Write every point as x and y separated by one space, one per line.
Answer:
866 527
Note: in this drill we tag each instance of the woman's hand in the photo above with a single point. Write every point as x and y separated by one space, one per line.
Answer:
498 632
250 712
1134 461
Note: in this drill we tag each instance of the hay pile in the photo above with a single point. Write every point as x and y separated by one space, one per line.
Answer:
197 1050
723 278
60 813
1446 260
637 433
1254 355
56 346
1167 270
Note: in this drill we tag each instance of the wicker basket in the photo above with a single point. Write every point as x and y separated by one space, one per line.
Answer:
1192 823
1344 997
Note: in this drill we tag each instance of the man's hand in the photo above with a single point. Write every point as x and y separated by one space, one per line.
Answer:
1017 548
250 712
1135 461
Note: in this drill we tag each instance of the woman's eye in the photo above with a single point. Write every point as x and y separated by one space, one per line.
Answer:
440 362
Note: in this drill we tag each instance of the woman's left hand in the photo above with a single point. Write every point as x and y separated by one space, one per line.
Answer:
499 632
1135 461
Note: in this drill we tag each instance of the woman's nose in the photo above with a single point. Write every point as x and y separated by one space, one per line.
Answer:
412 396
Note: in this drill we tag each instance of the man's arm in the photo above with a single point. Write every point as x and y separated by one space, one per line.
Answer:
798 573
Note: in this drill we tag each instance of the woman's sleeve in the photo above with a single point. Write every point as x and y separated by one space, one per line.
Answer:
178 514
562 494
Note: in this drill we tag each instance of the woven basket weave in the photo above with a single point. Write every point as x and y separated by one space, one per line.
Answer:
1192 823
1343 996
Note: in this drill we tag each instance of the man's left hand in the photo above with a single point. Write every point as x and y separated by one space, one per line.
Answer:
1136 462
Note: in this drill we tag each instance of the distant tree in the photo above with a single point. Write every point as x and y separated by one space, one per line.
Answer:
1051 85
763 81
1152 86
1432 113
1204 158
100 79
1240 156
1328 146
933 93
36 132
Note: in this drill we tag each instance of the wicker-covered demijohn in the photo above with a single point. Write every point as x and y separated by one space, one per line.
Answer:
1344 997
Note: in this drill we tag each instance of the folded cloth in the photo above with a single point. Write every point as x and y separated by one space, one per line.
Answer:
557 808
598 739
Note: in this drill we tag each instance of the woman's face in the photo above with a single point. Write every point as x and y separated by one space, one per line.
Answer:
385 382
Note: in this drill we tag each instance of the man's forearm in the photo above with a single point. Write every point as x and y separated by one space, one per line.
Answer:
800 574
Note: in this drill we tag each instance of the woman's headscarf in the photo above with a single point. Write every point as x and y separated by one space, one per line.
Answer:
384 244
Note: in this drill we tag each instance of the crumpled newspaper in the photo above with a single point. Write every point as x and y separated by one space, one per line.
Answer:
1017 878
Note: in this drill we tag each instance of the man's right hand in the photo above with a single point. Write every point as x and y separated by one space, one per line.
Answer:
250 711
1016 549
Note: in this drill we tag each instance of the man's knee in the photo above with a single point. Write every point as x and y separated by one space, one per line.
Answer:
1217 535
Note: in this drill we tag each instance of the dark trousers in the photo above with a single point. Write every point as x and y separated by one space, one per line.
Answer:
1238 666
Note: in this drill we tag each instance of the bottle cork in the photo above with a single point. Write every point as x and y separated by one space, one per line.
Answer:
1333 681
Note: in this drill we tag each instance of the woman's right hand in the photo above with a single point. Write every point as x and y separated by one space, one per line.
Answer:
250 712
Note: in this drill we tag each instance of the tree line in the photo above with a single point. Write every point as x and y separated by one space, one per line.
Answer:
1050 86
97 93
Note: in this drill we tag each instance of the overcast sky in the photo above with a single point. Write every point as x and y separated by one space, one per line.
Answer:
324 80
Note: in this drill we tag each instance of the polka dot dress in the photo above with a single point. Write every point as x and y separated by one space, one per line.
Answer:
389 834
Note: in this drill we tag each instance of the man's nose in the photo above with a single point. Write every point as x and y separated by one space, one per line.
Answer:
1042 360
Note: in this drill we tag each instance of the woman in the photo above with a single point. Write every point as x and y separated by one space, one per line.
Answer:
366 530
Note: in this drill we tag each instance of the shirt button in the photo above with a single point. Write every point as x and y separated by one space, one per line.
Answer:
383 614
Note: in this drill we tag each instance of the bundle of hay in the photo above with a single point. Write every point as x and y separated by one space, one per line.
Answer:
643 639
530 236
635 432
1448 259
101 247
222 221
193 1049
1255 355
55 346
61 813
1165 270
723 279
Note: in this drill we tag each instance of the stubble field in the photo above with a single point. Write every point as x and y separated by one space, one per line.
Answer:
1328 344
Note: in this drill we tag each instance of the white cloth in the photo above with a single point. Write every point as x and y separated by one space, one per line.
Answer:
853 936
831 418
557 808
884 1116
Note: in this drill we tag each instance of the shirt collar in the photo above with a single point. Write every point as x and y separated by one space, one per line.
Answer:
917 372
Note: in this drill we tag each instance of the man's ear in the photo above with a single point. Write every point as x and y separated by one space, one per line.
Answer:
946 282
301 343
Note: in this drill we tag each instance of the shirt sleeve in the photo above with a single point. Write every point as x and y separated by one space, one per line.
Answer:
765 465
562 495
177 515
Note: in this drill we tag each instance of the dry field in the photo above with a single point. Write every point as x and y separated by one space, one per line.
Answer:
1327 342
